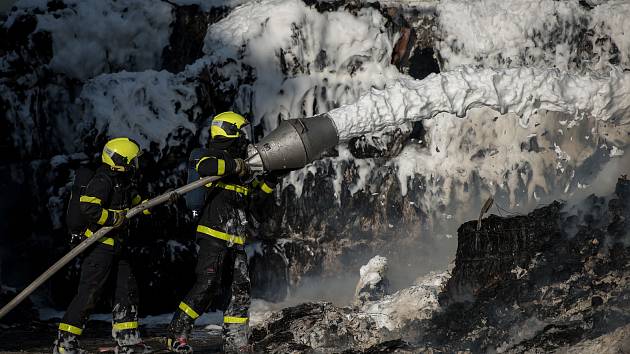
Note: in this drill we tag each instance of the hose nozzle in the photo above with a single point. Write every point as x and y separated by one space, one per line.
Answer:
295 143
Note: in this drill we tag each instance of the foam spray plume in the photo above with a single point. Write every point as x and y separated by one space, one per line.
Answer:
523 91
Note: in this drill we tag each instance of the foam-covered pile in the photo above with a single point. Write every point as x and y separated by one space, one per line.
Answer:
304 62
541 33
149 107
93 37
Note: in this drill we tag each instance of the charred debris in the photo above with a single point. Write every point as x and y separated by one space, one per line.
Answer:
555 279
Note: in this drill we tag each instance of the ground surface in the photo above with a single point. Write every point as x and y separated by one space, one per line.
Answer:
37 337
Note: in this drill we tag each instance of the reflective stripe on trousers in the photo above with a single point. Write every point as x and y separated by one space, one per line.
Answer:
124 325
236 320
188 310
70 329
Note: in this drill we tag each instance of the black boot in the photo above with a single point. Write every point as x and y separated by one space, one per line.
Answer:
179 329
67 343
236 338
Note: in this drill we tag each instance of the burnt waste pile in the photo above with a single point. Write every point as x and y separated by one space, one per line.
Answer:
557 279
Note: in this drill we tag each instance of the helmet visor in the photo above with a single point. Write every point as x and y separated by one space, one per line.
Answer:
230 129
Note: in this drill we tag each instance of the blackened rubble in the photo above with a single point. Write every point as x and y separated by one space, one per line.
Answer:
550 279
315 327
189 30
557 278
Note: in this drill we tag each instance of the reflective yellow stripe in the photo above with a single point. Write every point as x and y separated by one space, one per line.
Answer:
220 167
125 325
88 199
220 235
188 310
106 240
231 187
265 188
70 328
104 215
239 320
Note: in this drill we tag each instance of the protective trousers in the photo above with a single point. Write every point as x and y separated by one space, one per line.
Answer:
101 260
221 268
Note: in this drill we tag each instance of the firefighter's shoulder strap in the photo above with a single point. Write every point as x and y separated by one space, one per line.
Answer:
195 199
75 220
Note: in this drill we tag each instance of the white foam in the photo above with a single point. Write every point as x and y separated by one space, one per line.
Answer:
91 37
207 5
508 32
331 58
148 107
610 19
419 301
541 33
372 273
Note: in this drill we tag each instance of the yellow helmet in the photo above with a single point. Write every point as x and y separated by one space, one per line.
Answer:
227 124
121 154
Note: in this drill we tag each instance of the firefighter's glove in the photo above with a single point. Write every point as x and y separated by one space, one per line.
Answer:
242 168
146 211
120 217
75 239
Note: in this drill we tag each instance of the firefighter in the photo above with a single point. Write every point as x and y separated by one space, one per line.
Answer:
222 230
104 202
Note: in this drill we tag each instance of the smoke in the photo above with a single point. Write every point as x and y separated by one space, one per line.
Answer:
604 182
520 333
335 288
588 206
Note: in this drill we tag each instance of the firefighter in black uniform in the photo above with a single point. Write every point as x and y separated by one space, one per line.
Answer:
221 234
104 202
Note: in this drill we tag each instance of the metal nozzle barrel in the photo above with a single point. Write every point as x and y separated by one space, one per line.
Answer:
295 143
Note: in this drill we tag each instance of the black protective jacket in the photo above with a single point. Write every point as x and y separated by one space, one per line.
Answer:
107 193
232 201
